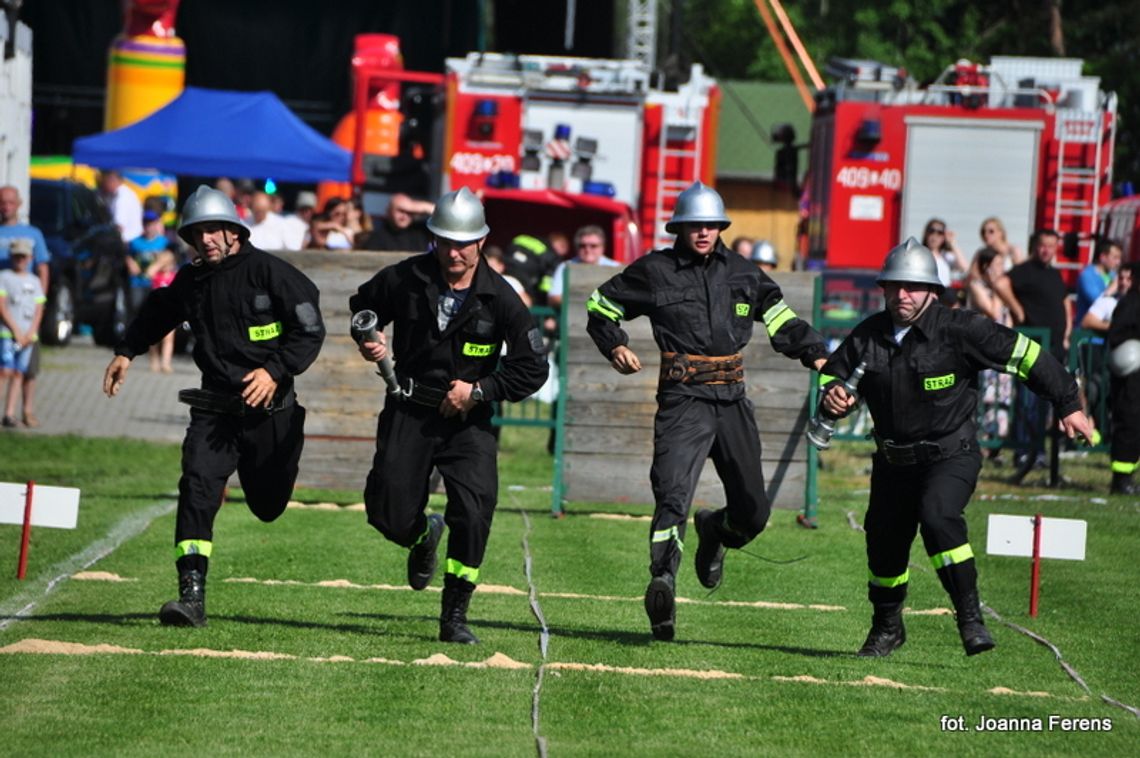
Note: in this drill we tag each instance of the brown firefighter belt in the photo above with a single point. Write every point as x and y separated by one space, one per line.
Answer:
212 401
701 369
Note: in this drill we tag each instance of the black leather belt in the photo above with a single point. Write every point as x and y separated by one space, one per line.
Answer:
924 451
423 394
229 404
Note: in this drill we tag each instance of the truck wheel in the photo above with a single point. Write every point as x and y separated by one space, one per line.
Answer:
59 317
112 323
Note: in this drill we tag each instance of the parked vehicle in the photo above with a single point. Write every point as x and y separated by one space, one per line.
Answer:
88 270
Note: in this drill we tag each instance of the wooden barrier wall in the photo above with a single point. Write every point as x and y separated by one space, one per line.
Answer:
609 417
341 392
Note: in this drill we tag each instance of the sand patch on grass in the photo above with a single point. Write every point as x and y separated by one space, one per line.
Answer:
57 647
1008 691
619 517
245 655
603 668
100 576
867 681
928 612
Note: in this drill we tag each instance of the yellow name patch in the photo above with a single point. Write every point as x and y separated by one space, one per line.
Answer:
932 383
265 332
477 351
743 309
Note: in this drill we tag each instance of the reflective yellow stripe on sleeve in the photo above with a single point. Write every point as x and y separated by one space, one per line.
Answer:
776 316
1025 353
826 379
604 307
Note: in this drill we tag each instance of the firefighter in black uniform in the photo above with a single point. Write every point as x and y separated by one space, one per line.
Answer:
921 386
1124 391
257 324
451 316
702 300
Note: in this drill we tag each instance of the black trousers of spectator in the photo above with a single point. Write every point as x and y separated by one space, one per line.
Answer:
264 449
930 499
1124 398
686 432
410 440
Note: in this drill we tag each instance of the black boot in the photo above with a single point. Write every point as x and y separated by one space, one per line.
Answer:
190 607
453 616
660 607
422 558
960 580
710 550
1122 484
975 637
887 631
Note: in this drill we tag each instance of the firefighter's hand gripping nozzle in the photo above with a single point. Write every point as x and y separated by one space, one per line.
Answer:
822 425
364 330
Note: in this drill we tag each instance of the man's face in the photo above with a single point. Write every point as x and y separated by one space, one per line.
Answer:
261 206
591 248
456 258
906 301
109 183
1046 249
1111 259
20 261
214 240
399 213
9 205
700 236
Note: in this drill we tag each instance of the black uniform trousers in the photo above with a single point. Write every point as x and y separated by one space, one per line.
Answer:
410 440
928 498
264 449
687 431
1124 399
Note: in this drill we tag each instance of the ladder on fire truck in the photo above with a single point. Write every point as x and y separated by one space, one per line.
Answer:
678 160
1084 165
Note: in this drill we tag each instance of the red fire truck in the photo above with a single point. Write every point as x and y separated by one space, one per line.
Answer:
1028 140
551 143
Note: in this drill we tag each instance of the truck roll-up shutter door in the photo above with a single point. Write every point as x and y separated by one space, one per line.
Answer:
966 170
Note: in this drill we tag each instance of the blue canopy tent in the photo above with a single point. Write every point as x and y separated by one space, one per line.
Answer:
206 132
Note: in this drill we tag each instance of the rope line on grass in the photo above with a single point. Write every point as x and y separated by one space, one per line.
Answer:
124 530
1065 665
543 638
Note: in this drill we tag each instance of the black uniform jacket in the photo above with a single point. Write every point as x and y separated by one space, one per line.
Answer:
407 295
700 305
927 388
253 310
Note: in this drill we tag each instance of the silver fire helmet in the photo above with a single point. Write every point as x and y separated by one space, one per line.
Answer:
207 204
763 252
910 262
1125 358
458 216
698 202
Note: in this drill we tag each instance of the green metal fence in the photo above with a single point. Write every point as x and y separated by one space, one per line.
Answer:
545 414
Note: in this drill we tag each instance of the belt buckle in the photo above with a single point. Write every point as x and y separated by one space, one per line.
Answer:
679 368
899 455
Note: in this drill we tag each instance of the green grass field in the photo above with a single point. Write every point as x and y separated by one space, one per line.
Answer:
335 657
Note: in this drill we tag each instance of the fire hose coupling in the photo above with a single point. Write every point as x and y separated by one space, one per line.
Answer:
822 426
363 328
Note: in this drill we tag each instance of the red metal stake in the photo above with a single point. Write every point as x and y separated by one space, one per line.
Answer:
23 564
1035 575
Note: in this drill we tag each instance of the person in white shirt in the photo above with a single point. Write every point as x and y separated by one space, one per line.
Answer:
589 248
267 230
297 223
124 204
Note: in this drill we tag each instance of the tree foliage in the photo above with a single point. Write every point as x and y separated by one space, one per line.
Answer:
925 36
